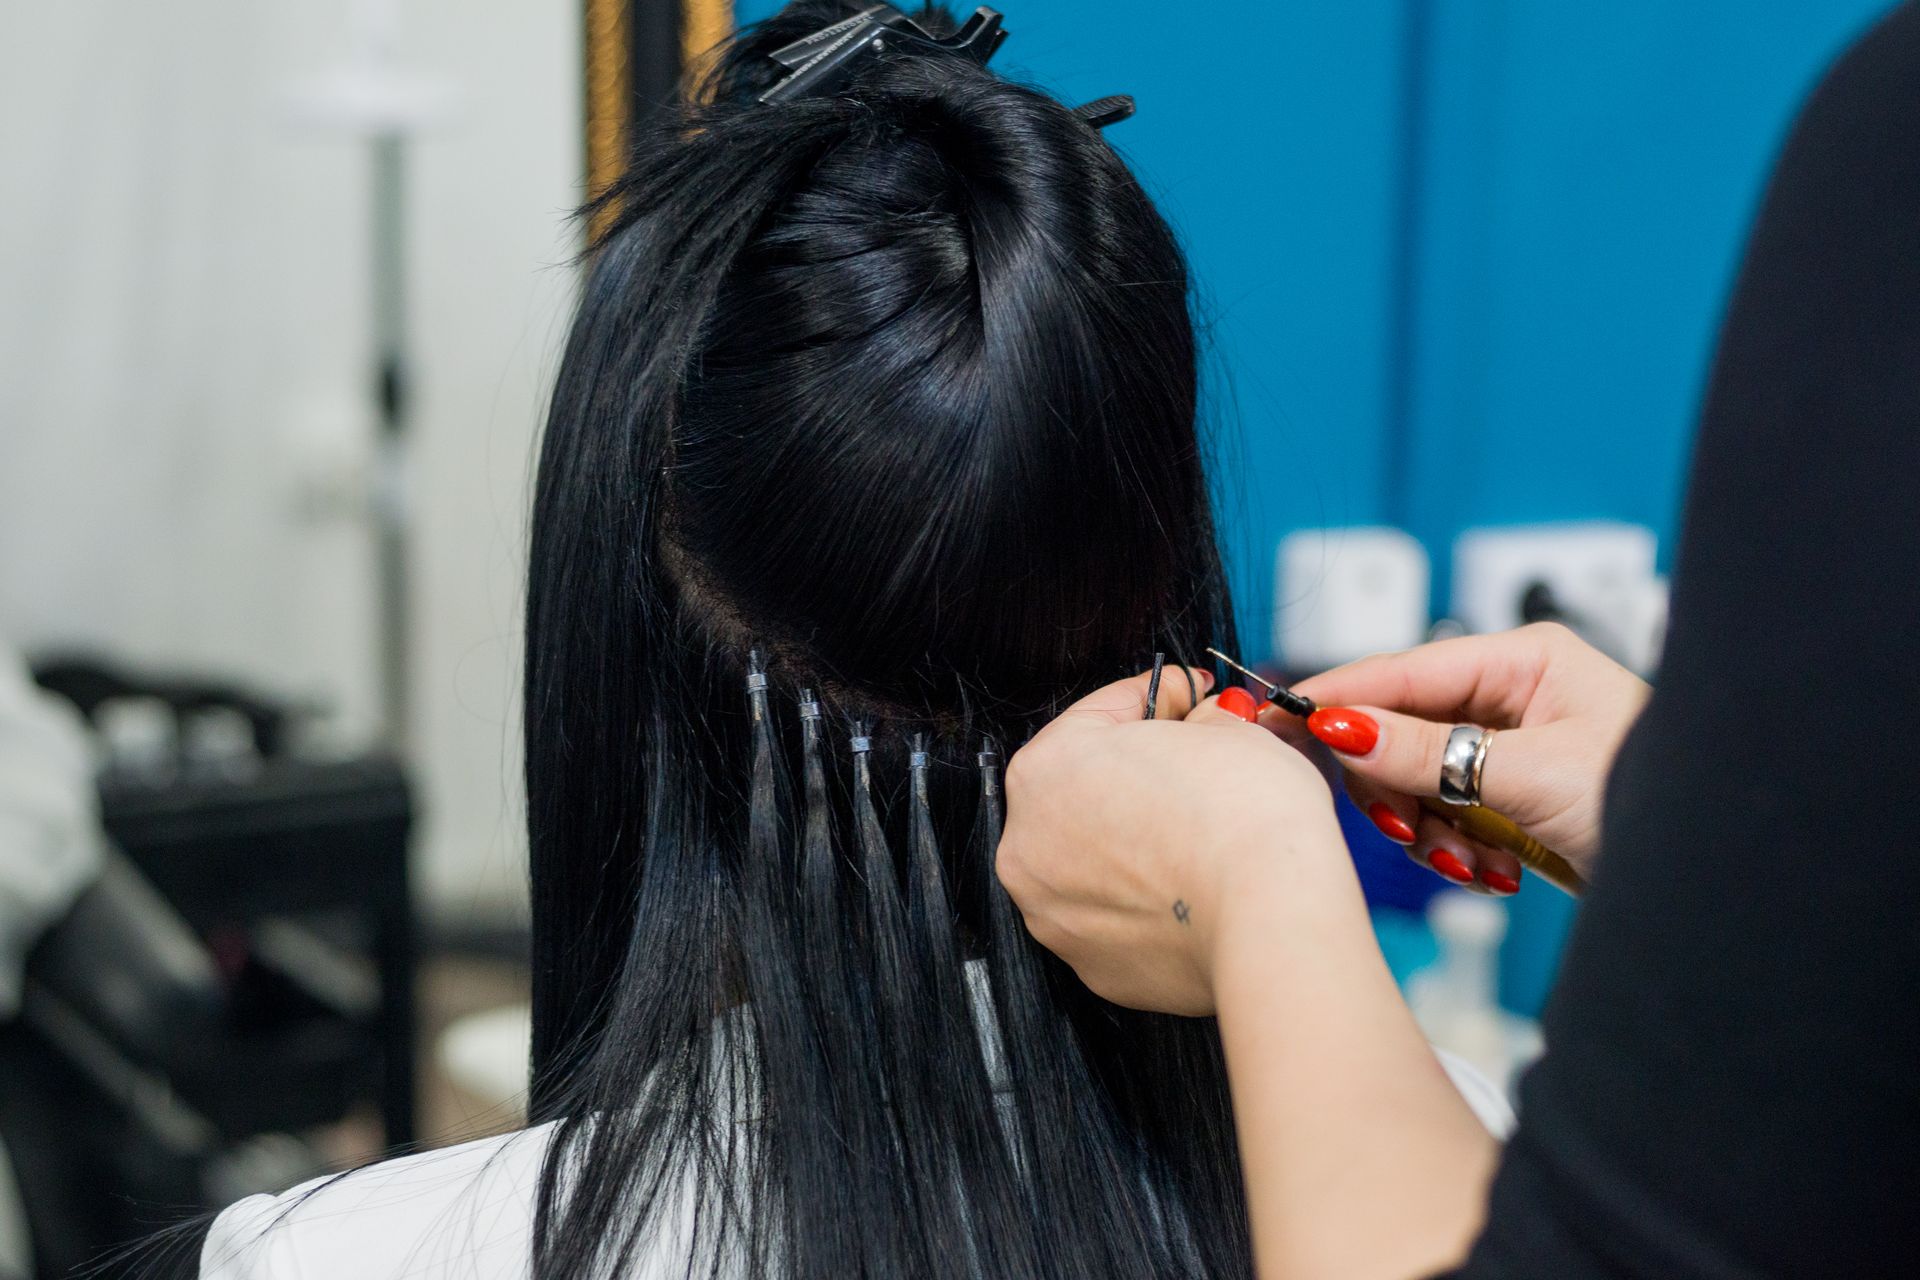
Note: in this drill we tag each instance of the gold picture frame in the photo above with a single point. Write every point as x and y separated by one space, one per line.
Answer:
633 55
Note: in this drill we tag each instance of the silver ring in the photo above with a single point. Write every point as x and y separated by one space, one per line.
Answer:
1462 763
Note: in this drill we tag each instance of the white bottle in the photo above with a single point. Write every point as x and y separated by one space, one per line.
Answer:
1456 1000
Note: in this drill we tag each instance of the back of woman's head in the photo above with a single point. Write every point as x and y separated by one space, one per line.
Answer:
883 403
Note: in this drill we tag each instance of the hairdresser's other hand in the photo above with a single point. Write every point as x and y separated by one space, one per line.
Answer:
1138 851
1562 708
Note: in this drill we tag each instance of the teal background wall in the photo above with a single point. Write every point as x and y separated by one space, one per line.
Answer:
1460 261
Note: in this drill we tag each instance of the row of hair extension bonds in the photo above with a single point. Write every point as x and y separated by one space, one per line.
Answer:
801 1180
1028 988
906 963
826 952
904 977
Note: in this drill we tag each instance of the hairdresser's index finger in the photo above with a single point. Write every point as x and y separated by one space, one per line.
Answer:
1125 701
1486 679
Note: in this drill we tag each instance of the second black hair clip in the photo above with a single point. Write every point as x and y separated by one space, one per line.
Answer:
1102 112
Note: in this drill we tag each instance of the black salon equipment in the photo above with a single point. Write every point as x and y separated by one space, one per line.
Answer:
242 972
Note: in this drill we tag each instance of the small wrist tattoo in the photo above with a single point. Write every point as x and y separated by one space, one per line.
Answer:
1181 911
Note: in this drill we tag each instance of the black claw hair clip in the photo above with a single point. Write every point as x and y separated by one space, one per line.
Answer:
822 62
1102 112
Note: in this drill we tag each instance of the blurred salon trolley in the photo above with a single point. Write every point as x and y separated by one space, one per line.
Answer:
292 868
297 878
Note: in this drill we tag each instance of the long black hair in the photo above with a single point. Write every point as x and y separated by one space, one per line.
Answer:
873 444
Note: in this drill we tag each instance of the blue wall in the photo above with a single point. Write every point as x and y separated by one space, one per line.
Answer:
1587 175
1463 261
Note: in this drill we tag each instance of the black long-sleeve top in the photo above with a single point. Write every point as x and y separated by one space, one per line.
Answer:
1732 1081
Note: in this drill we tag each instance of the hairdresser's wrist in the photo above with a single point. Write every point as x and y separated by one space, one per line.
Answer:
1361 1161
1281 894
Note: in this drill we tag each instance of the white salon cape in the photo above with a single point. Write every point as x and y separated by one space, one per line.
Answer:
467 1212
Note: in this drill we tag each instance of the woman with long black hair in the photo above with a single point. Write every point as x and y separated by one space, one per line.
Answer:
873 447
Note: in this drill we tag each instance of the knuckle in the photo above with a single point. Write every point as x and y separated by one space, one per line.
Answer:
1549 635
1020 768
1010 866
1046 931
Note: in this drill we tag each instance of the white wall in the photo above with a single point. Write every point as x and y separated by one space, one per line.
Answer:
183 362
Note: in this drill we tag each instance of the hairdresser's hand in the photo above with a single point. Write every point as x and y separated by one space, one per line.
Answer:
1562 708
1139 850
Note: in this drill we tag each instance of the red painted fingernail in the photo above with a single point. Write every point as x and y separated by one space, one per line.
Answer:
1236 701
1498 883
1391 824
1449 866
1347 731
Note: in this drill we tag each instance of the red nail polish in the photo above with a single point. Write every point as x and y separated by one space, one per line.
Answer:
1349 732
1392 825
1236 701
1500 884
1449 866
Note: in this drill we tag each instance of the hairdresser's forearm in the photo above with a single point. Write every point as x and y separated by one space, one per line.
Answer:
1362 1160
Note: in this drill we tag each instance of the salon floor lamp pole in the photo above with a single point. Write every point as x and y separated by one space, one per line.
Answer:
388 289
369 96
